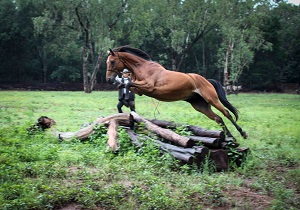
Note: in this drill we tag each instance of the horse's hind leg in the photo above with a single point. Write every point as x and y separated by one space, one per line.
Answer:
221 108
243 133
199 104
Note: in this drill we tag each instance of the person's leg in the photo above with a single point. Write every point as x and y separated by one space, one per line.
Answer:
119 106
126 96
132 105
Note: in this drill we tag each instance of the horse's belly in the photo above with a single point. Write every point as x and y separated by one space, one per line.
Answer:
170 96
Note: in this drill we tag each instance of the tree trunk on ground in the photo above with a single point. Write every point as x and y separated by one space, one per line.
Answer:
212 142
122 119
165 133
196 154
112 135
185 150
220 158
198 131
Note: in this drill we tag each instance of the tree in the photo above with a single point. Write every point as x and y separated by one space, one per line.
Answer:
65 41
17 58
93 38
281 65
241 39
89 23
174 26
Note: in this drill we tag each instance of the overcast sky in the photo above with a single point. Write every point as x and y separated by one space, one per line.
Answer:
297 2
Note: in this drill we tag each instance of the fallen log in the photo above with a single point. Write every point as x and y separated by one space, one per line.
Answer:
135 138
195 154
207 141
229 142
184 157
112 135
202 153
218 148
164 133
123 119
196 130
165 124
175 148
119 116
181 156
220 158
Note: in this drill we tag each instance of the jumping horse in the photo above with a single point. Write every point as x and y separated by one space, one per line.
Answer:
152 79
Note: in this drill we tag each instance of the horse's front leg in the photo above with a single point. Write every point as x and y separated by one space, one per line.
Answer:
131 87
141 87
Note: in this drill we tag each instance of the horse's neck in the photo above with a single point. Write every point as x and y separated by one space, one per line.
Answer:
135 65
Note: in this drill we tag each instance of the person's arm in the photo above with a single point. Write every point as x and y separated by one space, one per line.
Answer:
118 80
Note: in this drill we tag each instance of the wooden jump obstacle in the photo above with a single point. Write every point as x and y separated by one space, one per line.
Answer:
192 149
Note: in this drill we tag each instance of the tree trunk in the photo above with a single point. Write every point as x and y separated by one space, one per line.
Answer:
227 57
220 158
112 135
121 118
165 133
211 142
43 59
197 131
197 154
86 85
85 27
96 69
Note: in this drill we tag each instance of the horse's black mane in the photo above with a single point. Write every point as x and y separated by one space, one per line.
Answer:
133 51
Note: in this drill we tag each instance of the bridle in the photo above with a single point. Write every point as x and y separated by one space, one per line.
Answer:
114 70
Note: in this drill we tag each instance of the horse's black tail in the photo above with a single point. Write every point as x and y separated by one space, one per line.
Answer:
222 97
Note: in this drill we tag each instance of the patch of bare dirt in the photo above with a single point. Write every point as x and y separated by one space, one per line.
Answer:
243 197
75 206
71 206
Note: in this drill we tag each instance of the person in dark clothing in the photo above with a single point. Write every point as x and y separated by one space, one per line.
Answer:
126 97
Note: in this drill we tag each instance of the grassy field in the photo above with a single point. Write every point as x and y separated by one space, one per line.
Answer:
39 172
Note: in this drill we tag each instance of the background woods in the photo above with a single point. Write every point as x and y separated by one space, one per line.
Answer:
253 43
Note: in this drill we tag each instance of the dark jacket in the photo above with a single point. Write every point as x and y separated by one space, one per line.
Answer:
129 95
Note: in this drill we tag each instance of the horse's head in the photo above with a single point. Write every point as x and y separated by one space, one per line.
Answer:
114 66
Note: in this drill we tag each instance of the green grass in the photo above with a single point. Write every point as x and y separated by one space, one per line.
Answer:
39 172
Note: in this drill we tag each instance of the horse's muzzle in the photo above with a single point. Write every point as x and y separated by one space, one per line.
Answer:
109 80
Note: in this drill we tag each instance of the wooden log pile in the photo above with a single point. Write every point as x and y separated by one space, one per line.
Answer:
201 145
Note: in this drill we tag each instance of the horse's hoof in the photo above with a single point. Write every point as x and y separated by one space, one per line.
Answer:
244 134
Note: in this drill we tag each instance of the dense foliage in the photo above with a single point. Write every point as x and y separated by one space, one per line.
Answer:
254 43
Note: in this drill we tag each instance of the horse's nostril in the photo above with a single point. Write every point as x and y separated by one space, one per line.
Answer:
109 81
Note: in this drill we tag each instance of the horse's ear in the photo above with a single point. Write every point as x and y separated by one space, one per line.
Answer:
112 52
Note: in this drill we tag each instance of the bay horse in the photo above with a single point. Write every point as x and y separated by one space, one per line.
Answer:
152 79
